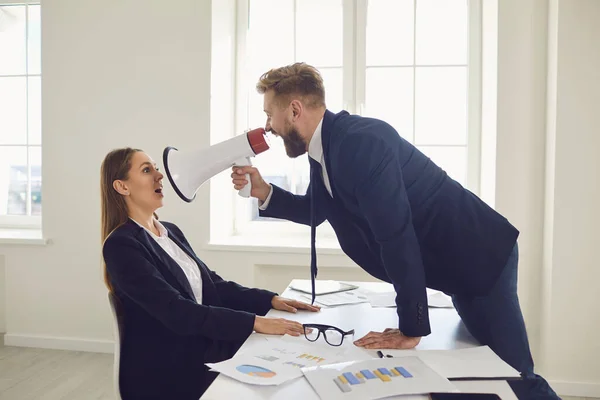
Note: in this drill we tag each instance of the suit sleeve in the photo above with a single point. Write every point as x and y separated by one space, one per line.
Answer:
232 294
369 171
295 208
239 297
132 274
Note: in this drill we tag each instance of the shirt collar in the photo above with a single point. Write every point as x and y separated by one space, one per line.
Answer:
161 228
315 146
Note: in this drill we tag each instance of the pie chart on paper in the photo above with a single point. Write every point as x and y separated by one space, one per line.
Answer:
253 370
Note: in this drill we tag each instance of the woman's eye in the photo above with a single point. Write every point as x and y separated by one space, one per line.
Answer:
146 169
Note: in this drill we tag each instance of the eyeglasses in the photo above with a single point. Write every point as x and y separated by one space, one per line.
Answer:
334 336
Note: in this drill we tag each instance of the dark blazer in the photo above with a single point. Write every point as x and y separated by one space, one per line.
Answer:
167 335
400 217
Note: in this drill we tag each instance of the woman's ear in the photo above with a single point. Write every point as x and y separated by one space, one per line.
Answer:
121 187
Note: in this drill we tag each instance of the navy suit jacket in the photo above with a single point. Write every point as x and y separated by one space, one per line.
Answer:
167 336
401 217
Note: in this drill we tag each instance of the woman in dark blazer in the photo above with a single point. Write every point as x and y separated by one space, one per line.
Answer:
177 313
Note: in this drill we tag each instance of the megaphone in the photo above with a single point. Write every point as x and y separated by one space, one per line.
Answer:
187 171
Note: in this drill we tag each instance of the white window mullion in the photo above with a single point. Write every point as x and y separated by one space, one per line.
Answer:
414 75
349 62
474 97
360 55
242 214
28 191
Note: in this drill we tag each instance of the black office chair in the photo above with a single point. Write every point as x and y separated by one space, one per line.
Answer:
117 313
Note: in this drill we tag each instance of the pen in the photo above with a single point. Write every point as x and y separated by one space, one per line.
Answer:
380 354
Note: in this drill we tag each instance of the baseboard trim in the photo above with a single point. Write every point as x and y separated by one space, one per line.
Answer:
576 389
59 343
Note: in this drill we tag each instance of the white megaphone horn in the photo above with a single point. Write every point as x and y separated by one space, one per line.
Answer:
187 171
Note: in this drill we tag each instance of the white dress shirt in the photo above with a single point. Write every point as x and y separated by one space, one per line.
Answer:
187 264
315 151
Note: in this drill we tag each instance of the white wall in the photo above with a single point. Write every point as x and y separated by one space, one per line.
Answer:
115 73
572 269
138 73
522 27
2 297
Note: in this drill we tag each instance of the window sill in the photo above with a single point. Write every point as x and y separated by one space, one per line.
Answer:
28 237
289 245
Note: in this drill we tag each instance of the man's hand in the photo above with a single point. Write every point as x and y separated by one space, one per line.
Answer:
289 305
388 339
260 188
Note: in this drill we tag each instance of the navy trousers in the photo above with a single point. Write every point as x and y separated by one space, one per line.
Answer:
496 320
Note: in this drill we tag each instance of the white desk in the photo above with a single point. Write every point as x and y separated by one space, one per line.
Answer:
447 332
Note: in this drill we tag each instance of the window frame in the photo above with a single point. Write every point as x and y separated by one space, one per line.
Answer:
354 93
27 221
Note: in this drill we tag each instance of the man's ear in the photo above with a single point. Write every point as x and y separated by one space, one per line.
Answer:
121 187
296 109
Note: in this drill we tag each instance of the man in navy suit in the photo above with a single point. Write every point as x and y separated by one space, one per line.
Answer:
398 216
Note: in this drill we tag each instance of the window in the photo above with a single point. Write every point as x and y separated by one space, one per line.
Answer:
20 115
412 63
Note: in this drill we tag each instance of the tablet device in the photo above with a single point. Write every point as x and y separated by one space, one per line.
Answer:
322 287
464 396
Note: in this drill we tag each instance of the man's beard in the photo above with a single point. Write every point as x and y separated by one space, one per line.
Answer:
294 145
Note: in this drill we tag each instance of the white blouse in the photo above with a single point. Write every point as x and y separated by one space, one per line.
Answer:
187 264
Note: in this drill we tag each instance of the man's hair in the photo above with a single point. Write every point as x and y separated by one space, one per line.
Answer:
299 79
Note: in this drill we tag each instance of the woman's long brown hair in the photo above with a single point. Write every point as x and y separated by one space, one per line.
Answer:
116 166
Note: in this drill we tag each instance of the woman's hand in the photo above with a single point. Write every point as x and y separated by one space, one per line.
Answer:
277 326
289 305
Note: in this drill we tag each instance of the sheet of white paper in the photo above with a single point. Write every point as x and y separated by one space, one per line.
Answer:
295 353
375 379
474 362
501 388
386 299
435 298
276 361
355 296
438 299
256 371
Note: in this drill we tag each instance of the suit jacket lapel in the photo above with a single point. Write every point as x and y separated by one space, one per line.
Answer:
326 129
170 264
209 295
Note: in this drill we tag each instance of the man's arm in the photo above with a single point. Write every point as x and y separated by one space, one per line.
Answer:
285 205
369 170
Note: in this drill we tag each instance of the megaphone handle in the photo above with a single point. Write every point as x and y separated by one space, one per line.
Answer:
245 191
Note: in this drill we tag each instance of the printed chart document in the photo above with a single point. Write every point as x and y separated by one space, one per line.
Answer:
376 378
276 361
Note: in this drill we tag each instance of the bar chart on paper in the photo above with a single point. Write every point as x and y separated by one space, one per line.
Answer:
349 379
377 378
293 358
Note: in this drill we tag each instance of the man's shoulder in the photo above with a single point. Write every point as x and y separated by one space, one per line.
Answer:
351 126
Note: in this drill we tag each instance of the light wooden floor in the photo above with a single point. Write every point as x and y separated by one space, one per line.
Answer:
28 374
40 374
